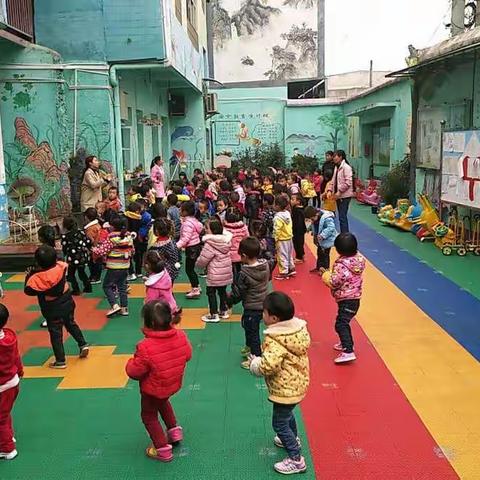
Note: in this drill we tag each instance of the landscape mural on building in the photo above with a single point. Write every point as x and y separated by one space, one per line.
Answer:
265 39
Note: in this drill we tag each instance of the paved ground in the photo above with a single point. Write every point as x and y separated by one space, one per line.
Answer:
408 409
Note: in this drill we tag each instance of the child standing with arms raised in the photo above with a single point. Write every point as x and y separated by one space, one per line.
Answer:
284 364
159 364
346 282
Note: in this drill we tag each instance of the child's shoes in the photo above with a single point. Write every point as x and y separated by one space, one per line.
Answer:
338 347
114 310
345 357
163 454
245 351
278 443
211 318
175 435
194 293
224 315
288 466
84 351
8 455
58 365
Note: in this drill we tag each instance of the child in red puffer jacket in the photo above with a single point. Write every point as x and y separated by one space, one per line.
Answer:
11 370
159 364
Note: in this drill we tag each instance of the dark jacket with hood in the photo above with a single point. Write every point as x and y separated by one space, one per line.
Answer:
51 288
76 248
252 284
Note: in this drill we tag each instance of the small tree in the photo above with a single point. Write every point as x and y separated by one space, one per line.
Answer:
304 163
336 121
395 183
261 158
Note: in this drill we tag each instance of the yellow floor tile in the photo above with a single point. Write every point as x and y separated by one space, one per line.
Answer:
137 290
17 278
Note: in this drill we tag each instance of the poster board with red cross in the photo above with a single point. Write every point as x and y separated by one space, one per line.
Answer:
461 168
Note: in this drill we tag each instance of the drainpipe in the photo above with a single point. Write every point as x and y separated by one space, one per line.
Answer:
116 133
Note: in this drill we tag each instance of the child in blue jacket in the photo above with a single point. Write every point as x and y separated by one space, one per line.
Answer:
324 235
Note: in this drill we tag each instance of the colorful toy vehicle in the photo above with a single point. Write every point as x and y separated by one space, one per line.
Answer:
473 242
368 195
395 216
386 214
458 242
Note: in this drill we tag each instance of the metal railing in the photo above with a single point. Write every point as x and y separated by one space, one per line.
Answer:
20 16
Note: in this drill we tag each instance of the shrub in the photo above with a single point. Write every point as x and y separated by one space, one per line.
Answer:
395 183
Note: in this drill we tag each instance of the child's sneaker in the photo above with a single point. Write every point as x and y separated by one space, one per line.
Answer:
163 454
345 357
131 278
84 351
124 312
338 347
211 318
299 260
44 324
245 364
282 276
8 455
194 293
95 281
245 351
58 365
224 315
278 443
292 273
114 310
175 435
288 466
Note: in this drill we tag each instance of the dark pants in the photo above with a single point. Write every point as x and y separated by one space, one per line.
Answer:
55 329
116 281
323 258
236 267
71 277
285 426
136 264
212 299
95 270
347 309
191 255
317 201
342 208
251 324
299 246
7 400
151 407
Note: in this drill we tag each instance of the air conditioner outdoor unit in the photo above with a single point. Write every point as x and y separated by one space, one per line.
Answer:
211 103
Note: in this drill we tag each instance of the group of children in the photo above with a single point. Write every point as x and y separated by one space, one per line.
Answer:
231 229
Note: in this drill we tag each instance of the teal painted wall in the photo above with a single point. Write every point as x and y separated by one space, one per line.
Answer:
37 113
101 30
399 116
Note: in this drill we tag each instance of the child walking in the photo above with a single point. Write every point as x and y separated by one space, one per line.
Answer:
299 228
284 364
159 364
283 234
190 241
166 247
252 287
48 281
158 285
117 249
216 259
76 250
11 370
93 231
324 234
346 282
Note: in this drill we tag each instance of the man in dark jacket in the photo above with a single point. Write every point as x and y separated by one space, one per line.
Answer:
48 281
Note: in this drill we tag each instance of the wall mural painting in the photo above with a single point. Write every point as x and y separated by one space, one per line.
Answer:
33 175
186 148
336 124
265 39
21 95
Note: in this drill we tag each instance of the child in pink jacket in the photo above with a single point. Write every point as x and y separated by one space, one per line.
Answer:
190 240
234 225
346 282
158 285
216 259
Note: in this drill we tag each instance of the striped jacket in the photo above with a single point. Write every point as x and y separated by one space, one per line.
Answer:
117 249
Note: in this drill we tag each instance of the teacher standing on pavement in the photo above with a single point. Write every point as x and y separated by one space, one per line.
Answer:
92 183
343 191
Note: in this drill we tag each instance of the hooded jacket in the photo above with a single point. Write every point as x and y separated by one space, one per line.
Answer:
282 226
346 279
92 231
252 284
159 362
168 251
284 361
11 368
325 229
76 248
298 221
189 232
239 231
159 286
215 257
117 249
51 288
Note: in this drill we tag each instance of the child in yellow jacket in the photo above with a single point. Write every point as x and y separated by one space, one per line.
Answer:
283 235
284 364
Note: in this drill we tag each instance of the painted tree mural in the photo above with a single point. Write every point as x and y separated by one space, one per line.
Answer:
283 64
252 16
303 40
221 24
336 122
299 3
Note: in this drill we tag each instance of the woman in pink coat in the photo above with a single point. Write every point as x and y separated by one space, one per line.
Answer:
343 182
157 174
215 257
234 225
158 285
